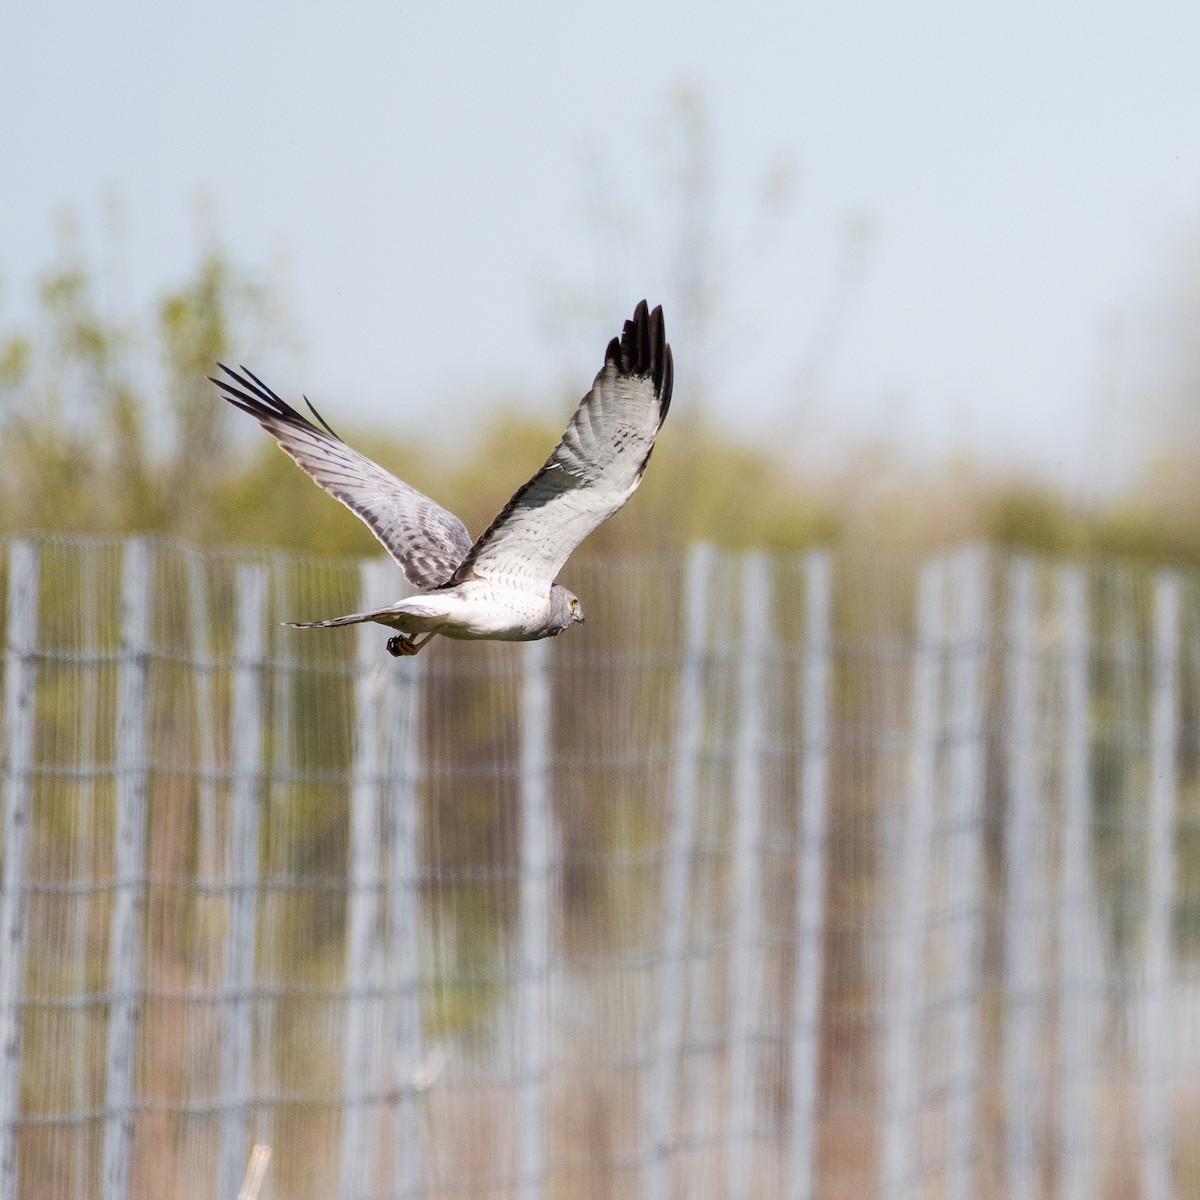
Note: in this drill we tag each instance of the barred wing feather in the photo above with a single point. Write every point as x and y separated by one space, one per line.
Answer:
427 541
594 469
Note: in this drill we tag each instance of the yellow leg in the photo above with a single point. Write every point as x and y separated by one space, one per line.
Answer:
417 645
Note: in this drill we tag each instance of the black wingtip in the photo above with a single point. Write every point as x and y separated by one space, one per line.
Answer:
667 385
642 350
243 389
641 321
324 423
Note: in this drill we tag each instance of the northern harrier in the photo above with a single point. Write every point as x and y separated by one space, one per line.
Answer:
501 585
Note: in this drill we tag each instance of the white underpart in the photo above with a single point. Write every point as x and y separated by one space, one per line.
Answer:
476 609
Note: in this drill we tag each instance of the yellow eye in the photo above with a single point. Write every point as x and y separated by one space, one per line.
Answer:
574 604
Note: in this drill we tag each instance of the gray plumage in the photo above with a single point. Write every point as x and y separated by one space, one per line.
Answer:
427 541
502 585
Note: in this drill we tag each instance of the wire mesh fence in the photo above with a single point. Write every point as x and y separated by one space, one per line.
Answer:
807 877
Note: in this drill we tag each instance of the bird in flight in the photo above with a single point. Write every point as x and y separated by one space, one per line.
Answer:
501 585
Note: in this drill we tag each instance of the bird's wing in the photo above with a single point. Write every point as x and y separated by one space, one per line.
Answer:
593 470
427 541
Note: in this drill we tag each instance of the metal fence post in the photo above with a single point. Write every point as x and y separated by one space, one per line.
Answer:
535 870
403 808
240 945
1025 886
125 943
363 877
209 850
810 882
689 717
1076 932
20 687
966 866
1156 1033
212 928
909 893
747 796
85 843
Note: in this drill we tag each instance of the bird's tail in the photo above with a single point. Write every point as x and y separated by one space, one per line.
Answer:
384 616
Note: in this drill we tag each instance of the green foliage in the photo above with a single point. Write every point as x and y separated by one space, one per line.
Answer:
16 354
105 427
195 333
1033 517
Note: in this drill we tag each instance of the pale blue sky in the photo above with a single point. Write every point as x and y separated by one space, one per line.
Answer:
1029 173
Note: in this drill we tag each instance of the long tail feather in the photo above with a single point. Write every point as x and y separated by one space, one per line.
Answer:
385 616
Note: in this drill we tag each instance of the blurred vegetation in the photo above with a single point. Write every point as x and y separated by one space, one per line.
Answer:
108 426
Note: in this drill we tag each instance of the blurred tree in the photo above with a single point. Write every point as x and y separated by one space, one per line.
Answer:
82 449
73 438
108 424
194 322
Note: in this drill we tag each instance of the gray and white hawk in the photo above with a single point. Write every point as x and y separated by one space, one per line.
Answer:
502 585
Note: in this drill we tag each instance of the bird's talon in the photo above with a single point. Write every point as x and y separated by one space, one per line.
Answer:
399 646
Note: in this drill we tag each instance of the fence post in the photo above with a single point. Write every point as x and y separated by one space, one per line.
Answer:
205 958
209 850
237 1043
125 942
1076 932
747 796
909 892
85 842
689 718
965 896
403 808
810 882
1156 1032
20 694
362 906
1024 872
535 869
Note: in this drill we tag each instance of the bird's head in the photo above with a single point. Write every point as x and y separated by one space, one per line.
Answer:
565 608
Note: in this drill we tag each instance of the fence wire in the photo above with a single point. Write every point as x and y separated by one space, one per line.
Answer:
810 877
